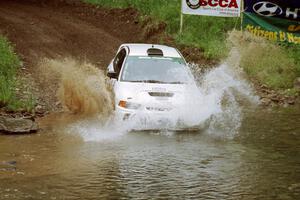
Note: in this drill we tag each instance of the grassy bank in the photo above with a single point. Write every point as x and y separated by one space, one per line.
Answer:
206 33
270 64
9 64
273 65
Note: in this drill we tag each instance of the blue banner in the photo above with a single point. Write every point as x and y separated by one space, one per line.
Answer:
286 9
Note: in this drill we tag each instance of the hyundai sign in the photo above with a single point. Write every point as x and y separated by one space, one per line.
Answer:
285 9
275 20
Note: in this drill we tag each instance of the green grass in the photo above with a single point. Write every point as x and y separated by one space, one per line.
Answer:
293 52
271 67
276 66
9 64
206 33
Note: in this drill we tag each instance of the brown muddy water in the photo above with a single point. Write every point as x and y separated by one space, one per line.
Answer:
262 161
245 152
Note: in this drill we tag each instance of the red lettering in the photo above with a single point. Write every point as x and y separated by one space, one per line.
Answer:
233 4
203 3
223 3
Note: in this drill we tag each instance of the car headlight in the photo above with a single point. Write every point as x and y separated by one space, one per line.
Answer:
129 105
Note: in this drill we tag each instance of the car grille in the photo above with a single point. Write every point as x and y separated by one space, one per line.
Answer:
161 94
158 109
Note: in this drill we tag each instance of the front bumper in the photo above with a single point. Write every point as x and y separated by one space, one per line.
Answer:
147 120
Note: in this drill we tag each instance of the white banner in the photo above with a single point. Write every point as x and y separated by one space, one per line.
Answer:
220 8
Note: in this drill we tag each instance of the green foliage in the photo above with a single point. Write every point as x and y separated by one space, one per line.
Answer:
9 63
291 92
206 33
270 64
6 91
27 105
293 52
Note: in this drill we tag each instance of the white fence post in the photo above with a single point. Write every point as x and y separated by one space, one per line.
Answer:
181 23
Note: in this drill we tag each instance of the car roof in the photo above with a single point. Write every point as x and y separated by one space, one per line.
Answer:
136 49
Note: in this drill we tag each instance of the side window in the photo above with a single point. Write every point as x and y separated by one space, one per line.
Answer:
119 59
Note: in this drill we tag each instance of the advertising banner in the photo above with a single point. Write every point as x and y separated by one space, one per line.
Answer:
275 20
286 9
220 8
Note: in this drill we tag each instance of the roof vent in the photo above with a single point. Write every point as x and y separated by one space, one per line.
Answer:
155 52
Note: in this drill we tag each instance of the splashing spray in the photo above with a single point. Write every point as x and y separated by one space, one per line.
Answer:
83 91
82 88
223 89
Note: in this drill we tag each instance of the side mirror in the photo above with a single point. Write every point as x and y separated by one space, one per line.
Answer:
112 75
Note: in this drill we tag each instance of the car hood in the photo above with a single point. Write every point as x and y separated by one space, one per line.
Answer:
153 93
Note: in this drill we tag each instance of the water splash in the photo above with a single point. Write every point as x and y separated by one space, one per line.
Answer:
215 105
225 91
82 87
90 130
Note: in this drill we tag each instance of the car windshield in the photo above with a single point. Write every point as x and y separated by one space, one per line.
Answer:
155 70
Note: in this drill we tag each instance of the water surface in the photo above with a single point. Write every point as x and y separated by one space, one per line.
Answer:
262 161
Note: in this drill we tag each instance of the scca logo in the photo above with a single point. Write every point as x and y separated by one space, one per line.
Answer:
266 8
194 4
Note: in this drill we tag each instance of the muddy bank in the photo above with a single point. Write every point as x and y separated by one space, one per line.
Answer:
55 29
60 29
44 29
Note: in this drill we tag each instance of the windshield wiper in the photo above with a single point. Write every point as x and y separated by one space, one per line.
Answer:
156 81
175 82
153 81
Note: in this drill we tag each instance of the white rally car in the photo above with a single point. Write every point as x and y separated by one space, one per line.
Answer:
153 87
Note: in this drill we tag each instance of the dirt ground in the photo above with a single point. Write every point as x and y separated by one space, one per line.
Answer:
63 29
55 29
